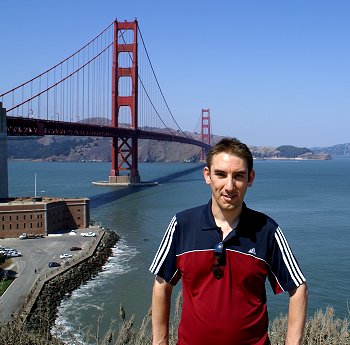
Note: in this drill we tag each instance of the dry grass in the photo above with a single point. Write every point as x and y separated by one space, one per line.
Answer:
16 333
323 328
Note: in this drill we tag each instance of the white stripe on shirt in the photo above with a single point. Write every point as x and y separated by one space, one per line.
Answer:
164 247
289 258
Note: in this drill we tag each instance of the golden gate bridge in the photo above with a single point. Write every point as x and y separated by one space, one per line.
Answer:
108 88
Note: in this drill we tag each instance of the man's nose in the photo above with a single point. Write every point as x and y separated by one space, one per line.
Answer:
230 183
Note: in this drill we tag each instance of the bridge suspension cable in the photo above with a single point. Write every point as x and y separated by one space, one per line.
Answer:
68 90
78 89
156 79
59 64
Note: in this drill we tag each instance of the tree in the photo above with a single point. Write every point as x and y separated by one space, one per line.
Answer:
2 258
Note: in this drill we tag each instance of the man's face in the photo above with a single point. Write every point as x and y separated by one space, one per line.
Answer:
228 179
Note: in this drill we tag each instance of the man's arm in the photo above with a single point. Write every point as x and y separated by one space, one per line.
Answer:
161 300
297 315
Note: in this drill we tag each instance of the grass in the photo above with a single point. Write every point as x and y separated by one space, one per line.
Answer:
5 280
323 328
4 284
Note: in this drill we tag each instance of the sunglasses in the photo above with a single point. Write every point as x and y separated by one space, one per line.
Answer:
217 268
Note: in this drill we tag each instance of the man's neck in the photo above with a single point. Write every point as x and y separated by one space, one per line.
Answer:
227 220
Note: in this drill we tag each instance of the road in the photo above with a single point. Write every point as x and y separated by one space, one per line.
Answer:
36 254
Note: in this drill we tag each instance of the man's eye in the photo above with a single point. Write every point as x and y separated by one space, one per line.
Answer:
239 177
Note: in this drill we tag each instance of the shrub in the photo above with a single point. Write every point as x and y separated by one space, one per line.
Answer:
323 328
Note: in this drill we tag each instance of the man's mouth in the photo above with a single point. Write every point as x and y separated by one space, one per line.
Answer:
228 197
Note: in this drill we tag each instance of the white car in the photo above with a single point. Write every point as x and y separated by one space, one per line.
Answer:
14 254
88 234
65 256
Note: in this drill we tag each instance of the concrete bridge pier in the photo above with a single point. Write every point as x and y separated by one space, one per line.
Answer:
3 154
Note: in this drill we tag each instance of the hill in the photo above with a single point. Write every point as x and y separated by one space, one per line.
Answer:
59 148
336 150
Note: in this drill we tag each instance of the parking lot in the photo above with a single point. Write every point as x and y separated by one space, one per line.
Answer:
36 256
38 252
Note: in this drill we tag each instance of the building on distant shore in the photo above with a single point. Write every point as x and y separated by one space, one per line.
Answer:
42 216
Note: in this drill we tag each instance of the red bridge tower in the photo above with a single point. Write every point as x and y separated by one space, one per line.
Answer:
205 132
125 149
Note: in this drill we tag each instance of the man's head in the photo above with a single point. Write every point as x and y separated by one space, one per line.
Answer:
234 147
229 173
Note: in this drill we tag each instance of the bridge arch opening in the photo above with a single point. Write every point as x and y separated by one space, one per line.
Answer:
125 117
125 86
126 36
125 59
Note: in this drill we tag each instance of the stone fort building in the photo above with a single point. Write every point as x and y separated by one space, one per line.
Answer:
42 216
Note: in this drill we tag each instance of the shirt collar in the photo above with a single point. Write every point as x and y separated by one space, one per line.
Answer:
208 221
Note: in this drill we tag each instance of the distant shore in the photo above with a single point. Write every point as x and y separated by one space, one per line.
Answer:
313 158
294 158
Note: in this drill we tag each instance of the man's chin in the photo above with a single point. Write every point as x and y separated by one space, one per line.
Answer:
226 206
230 206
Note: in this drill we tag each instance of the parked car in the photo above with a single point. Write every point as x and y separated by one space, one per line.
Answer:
23 236
54 264
88 234
65 256
13 254
75 249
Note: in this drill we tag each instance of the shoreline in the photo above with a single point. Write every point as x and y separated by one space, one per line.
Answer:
329 157
39 310
64 283
291 159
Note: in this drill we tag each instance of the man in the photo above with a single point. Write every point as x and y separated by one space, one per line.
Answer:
223 252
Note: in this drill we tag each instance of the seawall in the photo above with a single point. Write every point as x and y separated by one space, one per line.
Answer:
40 311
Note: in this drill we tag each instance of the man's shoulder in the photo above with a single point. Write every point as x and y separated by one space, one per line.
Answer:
259 219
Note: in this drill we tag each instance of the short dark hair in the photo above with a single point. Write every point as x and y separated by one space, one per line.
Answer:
234 147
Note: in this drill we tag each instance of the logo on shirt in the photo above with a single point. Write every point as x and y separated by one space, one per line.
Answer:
252 251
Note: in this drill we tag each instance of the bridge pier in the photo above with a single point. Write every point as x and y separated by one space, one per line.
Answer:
124 179
3 154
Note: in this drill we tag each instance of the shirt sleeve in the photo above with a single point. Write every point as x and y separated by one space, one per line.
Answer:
285 274
164 262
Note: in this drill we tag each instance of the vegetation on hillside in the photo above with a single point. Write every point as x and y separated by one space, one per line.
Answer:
2 259
5 282
33 149
323 328
57 148
290 151
335 150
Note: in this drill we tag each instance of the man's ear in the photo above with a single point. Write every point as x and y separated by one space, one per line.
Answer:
251 178
206 174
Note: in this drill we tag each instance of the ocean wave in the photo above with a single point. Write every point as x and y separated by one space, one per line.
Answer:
69 322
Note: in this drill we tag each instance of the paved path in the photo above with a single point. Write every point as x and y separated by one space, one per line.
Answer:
32 267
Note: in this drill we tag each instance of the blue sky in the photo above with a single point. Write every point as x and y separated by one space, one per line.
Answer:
271 72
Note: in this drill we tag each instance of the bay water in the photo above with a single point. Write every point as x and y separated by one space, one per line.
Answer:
309 199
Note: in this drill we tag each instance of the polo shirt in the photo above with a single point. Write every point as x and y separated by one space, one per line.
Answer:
231 310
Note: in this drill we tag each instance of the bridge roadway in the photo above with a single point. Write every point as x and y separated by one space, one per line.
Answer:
32 266
20 126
